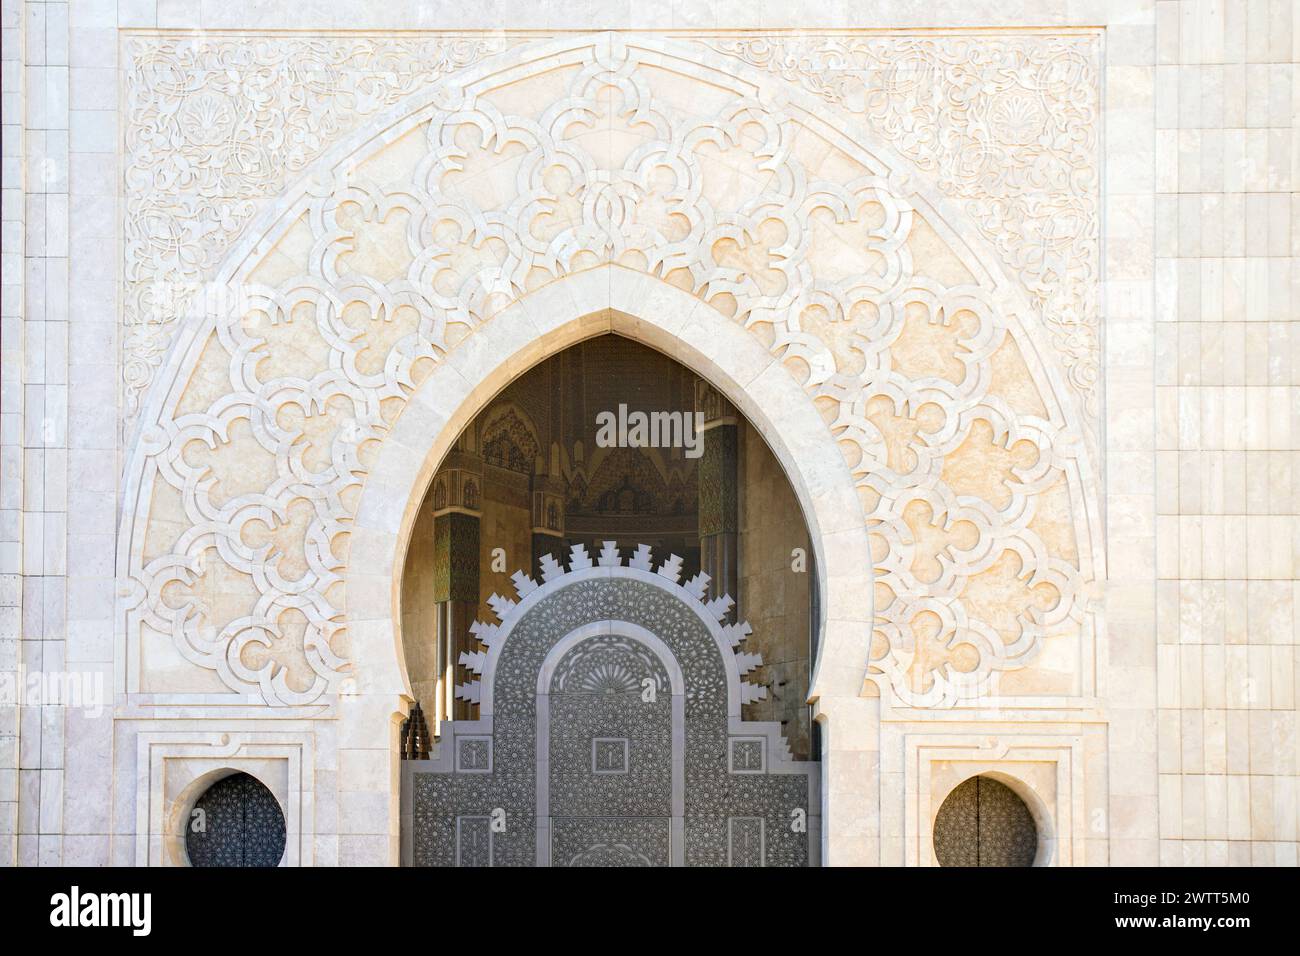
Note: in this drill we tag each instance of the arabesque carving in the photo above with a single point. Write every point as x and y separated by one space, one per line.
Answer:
960 432
216 123
1008 128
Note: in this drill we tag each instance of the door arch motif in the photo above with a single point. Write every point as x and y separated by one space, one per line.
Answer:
610 734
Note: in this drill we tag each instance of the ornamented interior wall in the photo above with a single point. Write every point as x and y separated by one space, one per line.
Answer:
775 597
1007 295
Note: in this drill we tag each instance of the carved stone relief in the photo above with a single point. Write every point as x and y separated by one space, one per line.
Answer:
1008 127
961 433
214 124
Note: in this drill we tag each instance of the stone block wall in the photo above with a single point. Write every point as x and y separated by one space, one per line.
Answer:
1227 430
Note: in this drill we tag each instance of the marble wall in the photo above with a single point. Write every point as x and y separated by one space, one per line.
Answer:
1228 366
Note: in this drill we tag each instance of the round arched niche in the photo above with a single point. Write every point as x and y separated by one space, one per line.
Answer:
985 821
234 821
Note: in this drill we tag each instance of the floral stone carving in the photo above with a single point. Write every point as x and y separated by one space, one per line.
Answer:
215 123
1008 127
959 429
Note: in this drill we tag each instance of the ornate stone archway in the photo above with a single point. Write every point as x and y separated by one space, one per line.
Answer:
527 333
657 189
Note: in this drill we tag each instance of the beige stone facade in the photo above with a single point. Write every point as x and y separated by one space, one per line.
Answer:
1007 291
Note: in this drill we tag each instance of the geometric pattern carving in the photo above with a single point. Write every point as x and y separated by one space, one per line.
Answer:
611 693
1007 127
967 447
606 854
474 755
745 845
215 123
748 755
609 755
473 841
608 666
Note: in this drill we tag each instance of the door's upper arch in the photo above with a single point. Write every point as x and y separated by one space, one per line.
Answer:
456 212
536 328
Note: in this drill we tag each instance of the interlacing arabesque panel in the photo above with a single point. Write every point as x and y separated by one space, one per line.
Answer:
214 125
1005 125
964 443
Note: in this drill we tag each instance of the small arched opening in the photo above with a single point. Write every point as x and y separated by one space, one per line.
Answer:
984 822
235 822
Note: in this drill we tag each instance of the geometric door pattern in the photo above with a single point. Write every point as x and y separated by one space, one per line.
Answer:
611 755
610 734
237 822
984 823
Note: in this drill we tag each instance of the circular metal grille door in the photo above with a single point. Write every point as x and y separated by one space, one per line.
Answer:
984 823
237 822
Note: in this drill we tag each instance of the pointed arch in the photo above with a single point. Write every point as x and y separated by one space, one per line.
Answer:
734 279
